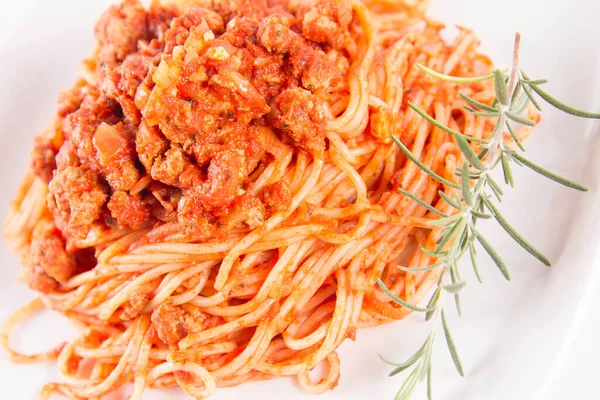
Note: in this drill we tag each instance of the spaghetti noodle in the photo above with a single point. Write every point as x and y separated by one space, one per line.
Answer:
218 194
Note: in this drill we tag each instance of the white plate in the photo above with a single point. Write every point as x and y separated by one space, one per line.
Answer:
512 337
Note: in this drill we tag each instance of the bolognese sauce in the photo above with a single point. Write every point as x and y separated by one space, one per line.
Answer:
217 196
175 115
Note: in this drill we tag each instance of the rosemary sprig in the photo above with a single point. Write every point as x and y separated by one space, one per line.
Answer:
473 199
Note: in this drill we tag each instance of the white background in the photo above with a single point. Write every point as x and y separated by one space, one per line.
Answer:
573 373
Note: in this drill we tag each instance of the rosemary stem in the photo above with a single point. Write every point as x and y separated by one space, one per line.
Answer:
503 109
514 71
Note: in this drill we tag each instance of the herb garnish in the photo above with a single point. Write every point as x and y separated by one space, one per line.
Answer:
476 197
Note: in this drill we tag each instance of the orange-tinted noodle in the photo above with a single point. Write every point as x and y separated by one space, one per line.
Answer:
202 261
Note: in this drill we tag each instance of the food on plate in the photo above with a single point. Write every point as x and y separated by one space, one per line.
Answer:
218 193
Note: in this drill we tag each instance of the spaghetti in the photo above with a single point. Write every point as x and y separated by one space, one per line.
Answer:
218 194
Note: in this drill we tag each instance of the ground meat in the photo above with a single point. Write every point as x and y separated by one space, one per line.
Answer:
175 169
170 323
80 126
208 116
129 211
116 155
231 9
223 179
277 196
267 70
240 31
247 210
136 303
66 156
318 72
190 107
45 149
43 158
327 21
275 35
193 220
150 143
119 30
131 73
122 82
301 115
167 169
175 108
102 142
180 27
76 197
325 74
38 280
70 100
48 251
